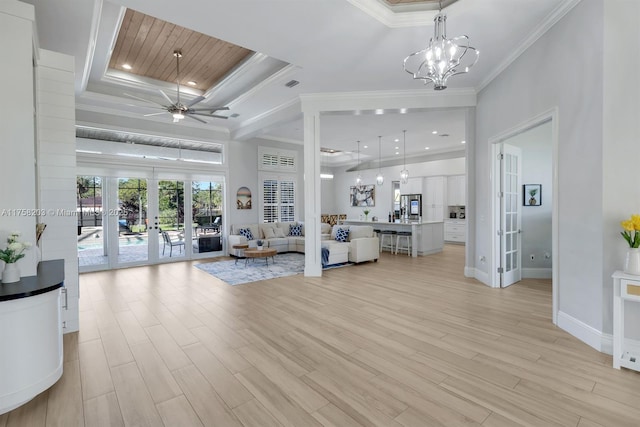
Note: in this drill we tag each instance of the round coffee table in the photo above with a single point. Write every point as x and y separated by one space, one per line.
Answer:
257 253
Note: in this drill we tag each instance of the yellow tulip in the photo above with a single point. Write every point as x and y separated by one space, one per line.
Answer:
636 221
627 225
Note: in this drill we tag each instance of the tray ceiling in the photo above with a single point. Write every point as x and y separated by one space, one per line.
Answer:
146 44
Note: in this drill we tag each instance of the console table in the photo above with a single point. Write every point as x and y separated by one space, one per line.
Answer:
31 359
626 287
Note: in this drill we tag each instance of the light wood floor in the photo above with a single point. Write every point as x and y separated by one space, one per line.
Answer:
401 342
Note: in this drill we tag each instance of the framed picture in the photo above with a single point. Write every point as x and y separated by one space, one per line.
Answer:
531 194
243 198
363 195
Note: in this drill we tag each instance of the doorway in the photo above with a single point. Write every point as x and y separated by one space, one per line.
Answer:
525 205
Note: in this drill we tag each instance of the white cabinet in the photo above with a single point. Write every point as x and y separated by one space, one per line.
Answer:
456 190
433 198
413 186
455 230
626 289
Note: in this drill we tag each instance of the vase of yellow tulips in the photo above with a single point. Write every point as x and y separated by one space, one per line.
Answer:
631 234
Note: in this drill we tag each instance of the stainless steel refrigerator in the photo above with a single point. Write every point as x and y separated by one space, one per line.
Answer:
411 207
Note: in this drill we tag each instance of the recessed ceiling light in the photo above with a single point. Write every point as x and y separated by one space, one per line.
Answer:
396 140
379 111
435 132
366 146
127 66
397 148
397 152
191 83
463 142
426 148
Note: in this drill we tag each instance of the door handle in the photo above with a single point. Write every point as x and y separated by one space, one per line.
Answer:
519 231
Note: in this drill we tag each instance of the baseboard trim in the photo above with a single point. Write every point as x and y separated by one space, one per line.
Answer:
585 333
478 275
537 273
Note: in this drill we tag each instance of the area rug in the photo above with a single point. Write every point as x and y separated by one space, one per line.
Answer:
234 273
256 269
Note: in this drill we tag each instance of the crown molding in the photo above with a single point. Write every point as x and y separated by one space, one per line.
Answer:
279 139
552 19
91 49
394 19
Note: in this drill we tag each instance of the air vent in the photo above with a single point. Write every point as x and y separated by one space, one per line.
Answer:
291 83
234 115
444 134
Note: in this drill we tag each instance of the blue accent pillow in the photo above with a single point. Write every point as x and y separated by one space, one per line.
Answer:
342 234
295 230
246 233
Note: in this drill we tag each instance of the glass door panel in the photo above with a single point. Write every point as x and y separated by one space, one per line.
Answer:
206 213
133 241
171 240
92 241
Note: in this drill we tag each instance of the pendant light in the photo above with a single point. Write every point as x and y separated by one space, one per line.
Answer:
404 173
358 177
379 178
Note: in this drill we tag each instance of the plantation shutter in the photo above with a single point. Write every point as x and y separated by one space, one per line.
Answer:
287 200
270 200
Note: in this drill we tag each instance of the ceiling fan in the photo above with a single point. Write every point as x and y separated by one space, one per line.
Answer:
179 110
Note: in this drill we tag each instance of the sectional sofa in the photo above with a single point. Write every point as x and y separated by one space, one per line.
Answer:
361 244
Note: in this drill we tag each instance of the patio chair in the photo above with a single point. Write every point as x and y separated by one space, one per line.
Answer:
171 243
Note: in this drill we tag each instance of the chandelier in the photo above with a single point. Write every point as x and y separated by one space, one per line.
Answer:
443 57
379 178
404 173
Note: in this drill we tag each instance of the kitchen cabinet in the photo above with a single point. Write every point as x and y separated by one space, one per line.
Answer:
455 230
433 198
456 190
413 186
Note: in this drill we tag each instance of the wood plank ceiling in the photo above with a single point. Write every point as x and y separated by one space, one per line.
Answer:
147 44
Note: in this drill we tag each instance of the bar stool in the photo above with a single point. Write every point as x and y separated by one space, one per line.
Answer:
383 244
409 236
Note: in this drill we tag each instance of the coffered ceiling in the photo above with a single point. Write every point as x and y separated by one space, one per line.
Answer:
243 53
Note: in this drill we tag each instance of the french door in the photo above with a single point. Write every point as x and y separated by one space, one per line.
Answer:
137 220
510 215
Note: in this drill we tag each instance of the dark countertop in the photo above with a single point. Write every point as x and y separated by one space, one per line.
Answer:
50 276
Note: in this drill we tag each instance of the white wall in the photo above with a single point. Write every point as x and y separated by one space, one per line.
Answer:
344 180
328 196
17 170
537 168
56 154
562 69
243 172
621 147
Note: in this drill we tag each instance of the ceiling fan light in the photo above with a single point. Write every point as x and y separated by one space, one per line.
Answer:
178 115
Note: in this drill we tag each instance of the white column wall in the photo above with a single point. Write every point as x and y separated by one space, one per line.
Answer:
17 161
533 84
312 190
56 159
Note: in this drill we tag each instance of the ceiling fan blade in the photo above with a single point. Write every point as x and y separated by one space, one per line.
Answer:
195 118
165 96
217 116
211 109
195 101
155 114
142 99
206 115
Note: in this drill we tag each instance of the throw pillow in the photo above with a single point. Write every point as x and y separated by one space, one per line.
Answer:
295 230
342 234
269 233
279 232
246 233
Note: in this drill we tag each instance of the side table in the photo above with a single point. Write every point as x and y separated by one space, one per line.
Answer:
239 250
626 288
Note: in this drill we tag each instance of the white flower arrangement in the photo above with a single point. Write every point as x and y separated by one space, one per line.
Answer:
15 249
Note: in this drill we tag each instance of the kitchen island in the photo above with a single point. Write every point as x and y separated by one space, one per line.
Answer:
427 237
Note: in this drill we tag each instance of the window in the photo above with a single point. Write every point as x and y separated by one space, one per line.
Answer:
279 186
278 198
